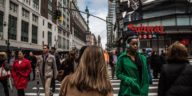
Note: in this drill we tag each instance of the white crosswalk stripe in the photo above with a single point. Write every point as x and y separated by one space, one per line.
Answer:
116 86
41 89
114 82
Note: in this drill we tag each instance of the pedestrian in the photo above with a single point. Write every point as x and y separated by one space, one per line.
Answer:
47 68
156 64
58 63
176 75
112 62
67 67
33 61
90 77
131 69
106 56
57 57
20 72
4 72
148 65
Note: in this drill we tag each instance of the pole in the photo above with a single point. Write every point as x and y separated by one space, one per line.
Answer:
88 14
8 49
87 11
8 44
88 33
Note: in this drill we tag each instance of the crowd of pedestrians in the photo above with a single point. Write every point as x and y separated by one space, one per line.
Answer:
85 72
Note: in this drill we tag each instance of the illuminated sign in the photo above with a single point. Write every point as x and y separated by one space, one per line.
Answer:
146 29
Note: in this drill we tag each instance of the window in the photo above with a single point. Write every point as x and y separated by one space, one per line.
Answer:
59 31
168 21
49 26
64 23
49 38
12 27
27 1
1 21
64 2
43 34
36 4
183 20
13 7
59 41
50 7
67 44
2 3
43 22
24 31
25 13
63 45
35 18
34 34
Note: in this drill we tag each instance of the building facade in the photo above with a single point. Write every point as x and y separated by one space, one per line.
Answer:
63 22
20 24
110 23
174 16
29 24
78 27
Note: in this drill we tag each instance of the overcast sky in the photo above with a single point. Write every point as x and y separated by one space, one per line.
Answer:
98 8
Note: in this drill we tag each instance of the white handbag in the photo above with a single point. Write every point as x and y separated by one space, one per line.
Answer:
4 73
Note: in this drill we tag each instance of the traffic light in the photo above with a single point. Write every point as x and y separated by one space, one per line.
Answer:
57 14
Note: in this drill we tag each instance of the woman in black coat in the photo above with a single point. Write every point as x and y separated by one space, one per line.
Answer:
176 76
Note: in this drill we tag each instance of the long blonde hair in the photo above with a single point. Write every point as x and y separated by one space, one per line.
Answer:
91 73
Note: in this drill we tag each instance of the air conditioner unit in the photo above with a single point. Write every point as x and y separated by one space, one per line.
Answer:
1 35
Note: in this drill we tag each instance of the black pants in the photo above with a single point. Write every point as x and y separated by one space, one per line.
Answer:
112 70
20 92
5 86
33 73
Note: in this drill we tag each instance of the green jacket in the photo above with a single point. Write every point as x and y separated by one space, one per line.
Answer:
127 72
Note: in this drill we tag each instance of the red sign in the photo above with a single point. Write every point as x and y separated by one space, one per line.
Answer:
185 41
141 28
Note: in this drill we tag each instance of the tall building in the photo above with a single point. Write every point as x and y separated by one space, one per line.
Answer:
64 30
48 23
78 27
29 24
20 24
110 26
173 16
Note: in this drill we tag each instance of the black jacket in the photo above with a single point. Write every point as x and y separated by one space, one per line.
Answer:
175 80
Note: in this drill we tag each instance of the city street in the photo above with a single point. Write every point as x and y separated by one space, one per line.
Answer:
32 89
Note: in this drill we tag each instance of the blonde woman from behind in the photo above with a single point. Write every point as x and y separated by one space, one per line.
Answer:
90 78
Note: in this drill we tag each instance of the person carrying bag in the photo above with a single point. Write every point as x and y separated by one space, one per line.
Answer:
4 72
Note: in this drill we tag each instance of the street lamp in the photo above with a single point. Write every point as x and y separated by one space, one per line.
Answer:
87 33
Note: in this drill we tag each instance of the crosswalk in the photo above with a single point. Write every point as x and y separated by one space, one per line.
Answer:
114 82
34 89
116 86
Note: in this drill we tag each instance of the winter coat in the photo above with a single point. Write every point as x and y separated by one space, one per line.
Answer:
128 73
175 80
20 73
67 90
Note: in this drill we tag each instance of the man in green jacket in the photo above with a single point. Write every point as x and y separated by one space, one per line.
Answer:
131 69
